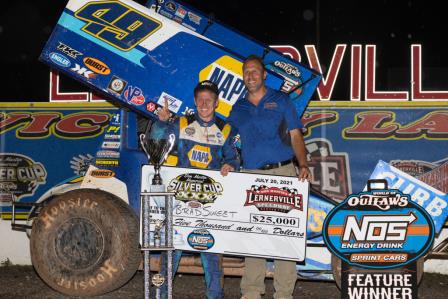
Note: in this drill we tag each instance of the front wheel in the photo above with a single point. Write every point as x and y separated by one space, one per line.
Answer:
85 243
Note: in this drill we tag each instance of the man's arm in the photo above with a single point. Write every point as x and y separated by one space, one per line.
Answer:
231 161
298 146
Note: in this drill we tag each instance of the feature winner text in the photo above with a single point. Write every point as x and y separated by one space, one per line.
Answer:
379 286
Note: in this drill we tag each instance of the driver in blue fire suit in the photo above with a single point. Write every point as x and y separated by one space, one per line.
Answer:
204 141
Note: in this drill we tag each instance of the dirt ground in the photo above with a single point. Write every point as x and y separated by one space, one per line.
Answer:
23 282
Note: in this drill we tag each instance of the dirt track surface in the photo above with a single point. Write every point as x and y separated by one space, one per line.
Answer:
23 282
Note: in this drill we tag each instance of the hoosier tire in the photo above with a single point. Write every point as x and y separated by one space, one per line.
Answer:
85 243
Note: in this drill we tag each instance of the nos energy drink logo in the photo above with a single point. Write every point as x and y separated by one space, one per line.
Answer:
201 239
226 72
378 229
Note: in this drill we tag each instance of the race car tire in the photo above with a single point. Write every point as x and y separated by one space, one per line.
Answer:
336 267
85 243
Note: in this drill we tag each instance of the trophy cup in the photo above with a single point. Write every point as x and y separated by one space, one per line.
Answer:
157 145
157 142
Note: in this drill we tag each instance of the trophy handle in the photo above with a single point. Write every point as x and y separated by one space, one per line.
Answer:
171 140
142 143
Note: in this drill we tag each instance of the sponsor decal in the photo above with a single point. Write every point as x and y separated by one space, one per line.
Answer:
113 129
6 199
330 169
174 104
115 119
117 85
378 229
274 199
81 163
102 173
60 59
106 162
180 12
432 200
412 167
68 50
195 187
165 13
96 66
112 136
171 6
134 95
20 175
200 156
200 239
226 72
151 107
288 68
190 131
110 145
178 20
82 71
194 18
108 154
290 74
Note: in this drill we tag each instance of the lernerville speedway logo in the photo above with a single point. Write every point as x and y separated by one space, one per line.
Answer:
378 229
274 199
195 187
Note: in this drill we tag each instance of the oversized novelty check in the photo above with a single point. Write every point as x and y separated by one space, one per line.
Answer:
240 214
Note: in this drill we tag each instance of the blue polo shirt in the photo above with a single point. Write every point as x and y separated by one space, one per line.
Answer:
264 129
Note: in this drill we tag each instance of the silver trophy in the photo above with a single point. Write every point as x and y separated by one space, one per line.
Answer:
157 142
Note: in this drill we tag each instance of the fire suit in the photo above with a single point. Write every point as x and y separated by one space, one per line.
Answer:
207 146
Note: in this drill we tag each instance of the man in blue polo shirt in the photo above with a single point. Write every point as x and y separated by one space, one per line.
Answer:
271 139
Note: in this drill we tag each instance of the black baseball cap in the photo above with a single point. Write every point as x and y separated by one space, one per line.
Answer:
206 85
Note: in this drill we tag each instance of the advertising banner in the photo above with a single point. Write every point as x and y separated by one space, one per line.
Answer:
345 141
266 214
45 144
432 200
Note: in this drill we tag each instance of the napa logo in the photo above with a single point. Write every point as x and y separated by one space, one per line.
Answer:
200 156
60 59
227 73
